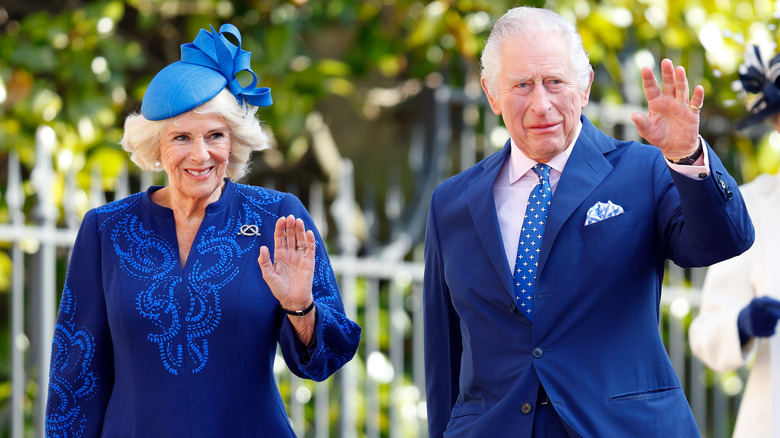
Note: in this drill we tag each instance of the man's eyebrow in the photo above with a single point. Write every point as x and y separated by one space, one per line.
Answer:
519 78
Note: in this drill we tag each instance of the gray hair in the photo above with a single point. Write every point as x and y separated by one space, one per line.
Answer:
526 23
142 137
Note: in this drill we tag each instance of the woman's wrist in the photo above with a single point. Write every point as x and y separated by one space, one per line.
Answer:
298 310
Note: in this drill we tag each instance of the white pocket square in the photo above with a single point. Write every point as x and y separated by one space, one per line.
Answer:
601 211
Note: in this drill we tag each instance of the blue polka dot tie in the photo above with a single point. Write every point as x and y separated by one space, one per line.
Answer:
531 239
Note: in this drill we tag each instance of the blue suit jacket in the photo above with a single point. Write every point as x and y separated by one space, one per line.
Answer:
594 343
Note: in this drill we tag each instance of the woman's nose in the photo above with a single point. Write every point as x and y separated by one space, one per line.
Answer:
199 150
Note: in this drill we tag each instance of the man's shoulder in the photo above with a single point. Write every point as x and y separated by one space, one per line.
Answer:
462 179
605 140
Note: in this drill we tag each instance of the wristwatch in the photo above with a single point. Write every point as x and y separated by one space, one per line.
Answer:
687 161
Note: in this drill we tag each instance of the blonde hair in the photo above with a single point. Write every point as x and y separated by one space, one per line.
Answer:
142 137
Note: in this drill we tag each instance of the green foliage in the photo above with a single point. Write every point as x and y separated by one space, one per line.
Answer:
81 66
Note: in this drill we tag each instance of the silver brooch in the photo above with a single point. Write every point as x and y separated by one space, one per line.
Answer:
249 230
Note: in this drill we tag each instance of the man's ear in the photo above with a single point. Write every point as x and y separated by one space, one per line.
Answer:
585 94
495 103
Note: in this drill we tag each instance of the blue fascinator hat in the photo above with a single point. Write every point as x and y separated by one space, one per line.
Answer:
761 78
207 66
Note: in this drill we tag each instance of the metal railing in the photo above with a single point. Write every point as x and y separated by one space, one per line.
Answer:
381 392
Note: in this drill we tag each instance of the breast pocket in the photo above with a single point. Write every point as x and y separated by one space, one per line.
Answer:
611 238
605 228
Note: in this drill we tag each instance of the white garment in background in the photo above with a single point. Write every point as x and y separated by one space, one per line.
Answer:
728 287
775 367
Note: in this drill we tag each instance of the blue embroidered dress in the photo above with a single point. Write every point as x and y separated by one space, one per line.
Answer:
144 347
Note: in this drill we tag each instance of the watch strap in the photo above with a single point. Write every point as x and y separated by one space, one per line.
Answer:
687 161
298 313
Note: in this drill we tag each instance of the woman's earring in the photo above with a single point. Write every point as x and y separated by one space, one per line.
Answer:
157 163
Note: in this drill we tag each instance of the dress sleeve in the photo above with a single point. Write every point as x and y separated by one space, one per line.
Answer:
713 334
728 287
81 371
336 337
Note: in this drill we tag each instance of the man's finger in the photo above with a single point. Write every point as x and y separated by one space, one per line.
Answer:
681 84
649 83
667 76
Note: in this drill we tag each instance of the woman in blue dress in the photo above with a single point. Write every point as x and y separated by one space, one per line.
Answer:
176 298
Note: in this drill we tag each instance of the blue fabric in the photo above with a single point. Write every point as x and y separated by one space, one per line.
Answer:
145 347
208 65
758 319
530 242
594 343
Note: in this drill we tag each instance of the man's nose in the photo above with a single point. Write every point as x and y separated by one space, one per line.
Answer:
540 100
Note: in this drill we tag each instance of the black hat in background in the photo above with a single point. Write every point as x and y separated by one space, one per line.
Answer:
762 79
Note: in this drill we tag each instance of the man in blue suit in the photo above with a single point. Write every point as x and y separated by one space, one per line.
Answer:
562 339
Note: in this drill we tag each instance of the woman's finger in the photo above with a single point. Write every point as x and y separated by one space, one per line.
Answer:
280 241
300 236
289 232
311 243
264 260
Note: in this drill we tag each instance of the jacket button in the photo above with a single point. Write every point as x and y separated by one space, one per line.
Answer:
512 308
537 352
526 408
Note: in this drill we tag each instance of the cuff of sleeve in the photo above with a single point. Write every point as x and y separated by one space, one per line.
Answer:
304 352
700 169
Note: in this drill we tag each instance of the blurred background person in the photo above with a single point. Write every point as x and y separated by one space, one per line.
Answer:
740 307
176 297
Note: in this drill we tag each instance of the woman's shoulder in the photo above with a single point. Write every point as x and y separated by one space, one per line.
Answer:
264 196
119 204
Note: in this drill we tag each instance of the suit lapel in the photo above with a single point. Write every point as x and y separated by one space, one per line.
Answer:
483 213
585 170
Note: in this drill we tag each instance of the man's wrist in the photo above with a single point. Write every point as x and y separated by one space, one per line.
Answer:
687 161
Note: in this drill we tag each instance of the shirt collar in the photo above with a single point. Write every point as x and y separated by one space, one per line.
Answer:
520 164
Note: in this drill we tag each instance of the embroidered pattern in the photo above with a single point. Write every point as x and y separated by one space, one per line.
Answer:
324 291
183 318
72 380
175 310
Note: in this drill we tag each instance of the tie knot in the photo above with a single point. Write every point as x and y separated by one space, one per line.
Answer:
543 171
